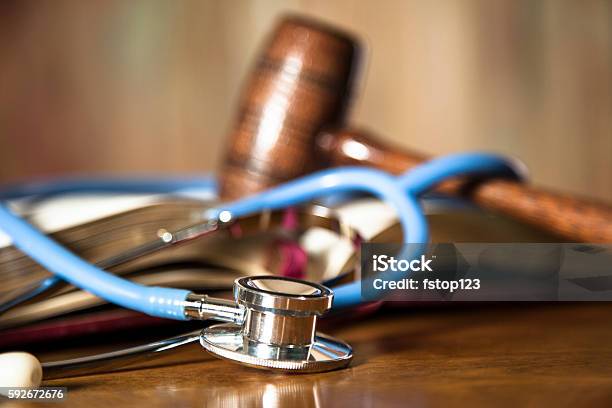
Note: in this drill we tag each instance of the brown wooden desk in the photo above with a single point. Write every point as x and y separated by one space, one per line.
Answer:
500 355
443 355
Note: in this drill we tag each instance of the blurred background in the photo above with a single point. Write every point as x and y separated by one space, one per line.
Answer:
90 87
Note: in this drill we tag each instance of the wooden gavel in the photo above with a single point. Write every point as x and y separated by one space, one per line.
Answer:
300 87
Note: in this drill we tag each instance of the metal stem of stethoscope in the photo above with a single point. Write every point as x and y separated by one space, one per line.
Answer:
114 360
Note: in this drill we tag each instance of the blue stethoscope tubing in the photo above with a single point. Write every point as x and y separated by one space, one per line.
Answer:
400 192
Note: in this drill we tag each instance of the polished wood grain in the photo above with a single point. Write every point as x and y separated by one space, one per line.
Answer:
571 218
300 83
494 355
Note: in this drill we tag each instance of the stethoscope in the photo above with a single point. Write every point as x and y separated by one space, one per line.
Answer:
271 323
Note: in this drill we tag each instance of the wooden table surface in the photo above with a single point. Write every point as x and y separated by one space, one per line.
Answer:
455 355
465 355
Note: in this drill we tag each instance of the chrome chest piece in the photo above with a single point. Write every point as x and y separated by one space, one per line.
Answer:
270 325
277 330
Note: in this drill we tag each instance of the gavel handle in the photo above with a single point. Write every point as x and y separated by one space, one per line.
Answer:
573 219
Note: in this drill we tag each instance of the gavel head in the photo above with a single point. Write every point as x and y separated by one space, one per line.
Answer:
301 83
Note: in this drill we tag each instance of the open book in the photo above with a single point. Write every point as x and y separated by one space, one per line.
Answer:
96 228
